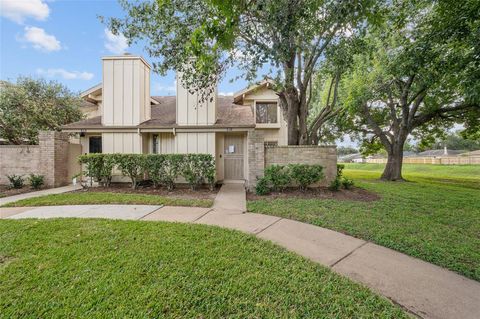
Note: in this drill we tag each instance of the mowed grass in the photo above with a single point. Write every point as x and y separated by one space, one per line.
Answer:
93 198
434 216
72 268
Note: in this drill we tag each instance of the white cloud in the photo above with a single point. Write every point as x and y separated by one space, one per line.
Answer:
41 40
19 10
67 75
226 93
117 44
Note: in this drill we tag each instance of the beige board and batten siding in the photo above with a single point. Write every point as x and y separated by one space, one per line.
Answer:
126 91
191 109
195 143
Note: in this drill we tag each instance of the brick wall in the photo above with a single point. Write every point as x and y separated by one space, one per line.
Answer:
18 160
256 158
325 156
50 158
261 156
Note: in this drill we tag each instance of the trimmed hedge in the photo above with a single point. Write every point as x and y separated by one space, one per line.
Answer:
161 169
278 177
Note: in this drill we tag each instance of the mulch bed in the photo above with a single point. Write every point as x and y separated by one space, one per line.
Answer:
180 191
356 194
5 191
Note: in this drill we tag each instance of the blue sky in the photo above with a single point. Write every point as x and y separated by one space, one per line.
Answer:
63 40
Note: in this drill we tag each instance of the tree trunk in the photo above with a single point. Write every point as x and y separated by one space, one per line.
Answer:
292 109
393 169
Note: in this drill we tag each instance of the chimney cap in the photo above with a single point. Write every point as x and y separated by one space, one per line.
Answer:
127 57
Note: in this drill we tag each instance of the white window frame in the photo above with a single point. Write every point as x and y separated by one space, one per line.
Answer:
266 125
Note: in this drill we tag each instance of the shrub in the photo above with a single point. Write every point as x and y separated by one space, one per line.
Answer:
36 181
131 165
305 175
99 167
347 183
278 177
16 181
170 170
153 167
340 168
335 184
262 187
106 172
93 164
198 168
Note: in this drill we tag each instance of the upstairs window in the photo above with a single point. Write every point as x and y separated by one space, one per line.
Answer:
95 144
266 113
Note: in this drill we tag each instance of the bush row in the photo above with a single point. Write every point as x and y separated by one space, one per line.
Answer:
279 177
161 169
18 181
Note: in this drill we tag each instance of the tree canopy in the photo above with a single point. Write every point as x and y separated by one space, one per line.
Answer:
418 76
293 36
31 105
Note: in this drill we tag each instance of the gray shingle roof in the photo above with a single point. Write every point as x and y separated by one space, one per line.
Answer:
229 114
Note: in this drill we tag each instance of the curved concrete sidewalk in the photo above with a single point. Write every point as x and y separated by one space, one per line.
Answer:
57 190
421 288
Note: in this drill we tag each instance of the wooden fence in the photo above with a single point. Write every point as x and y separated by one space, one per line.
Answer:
445 160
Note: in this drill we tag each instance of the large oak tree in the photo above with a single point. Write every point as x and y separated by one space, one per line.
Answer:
31 105
419 74
213 35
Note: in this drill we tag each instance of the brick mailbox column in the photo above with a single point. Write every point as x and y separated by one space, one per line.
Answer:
54 157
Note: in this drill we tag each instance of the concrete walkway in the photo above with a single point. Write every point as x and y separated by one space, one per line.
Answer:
423 289
231 199
58 190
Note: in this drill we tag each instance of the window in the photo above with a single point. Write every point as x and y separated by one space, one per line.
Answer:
155 143
95 144
266 113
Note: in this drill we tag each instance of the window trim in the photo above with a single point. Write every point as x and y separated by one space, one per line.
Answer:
155 145
266 125
101 141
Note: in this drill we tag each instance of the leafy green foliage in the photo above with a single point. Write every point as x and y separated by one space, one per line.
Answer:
305 175
198 168
262 187
417 76
340 168
93 165
16 181
347 183
153 168
161 169
36 181
293 37
170 170
335 184
278 177
32 105
131 165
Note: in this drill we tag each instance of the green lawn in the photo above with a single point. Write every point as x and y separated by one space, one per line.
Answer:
72 268
435 216
91 198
